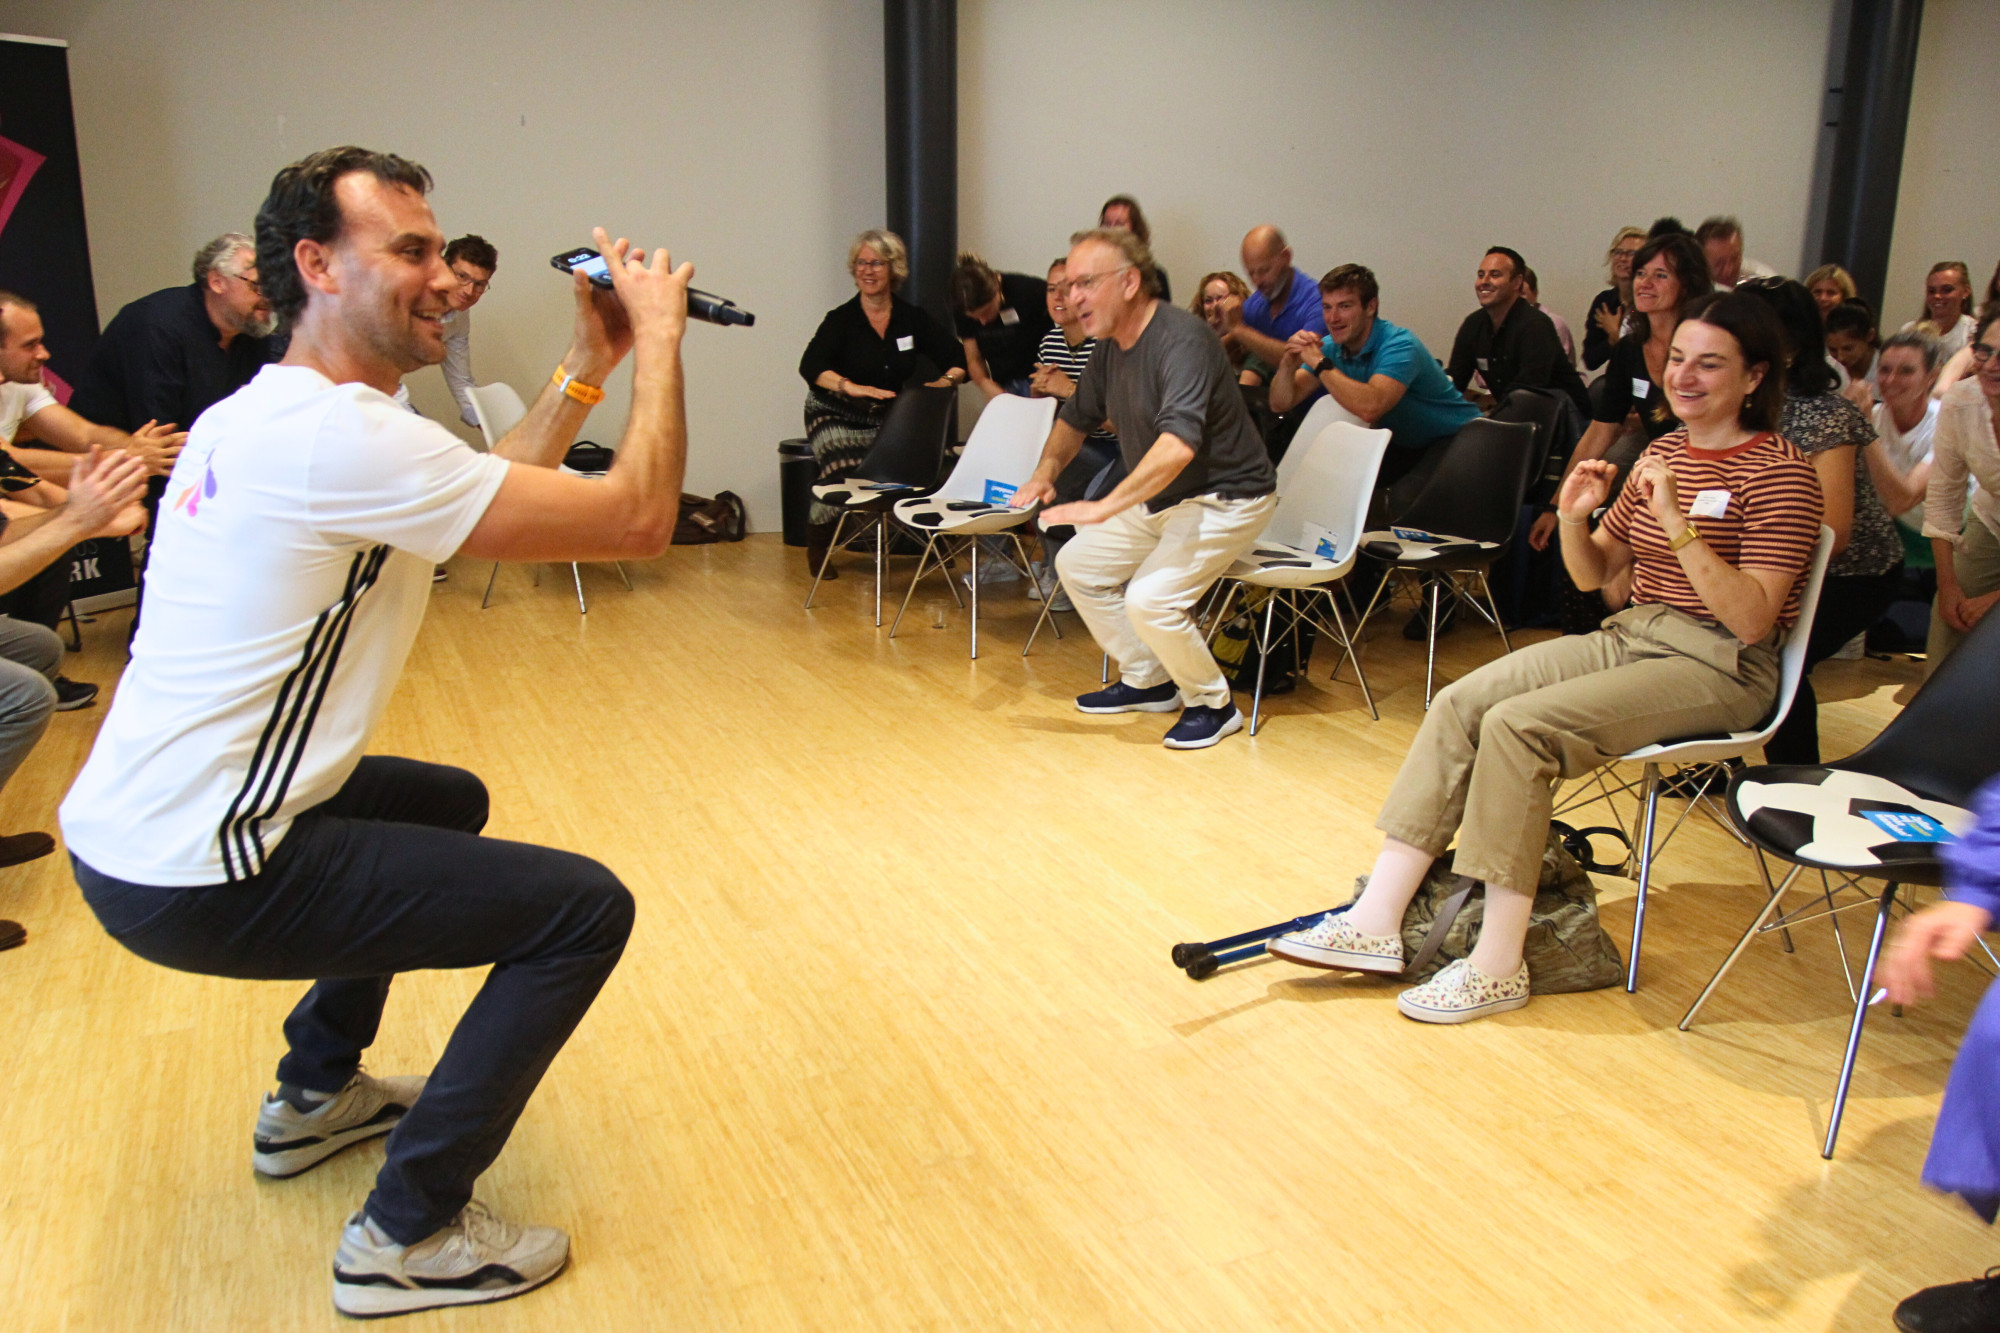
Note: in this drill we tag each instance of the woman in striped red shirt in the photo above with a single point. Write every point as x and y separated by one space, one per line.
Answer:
1713 531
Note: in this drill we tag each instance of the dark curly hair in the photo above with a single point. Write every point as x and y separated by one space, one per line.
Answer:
474 249
301 206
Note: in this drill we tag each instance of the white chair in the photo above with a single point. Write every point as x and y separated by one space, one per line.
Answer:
499 410
1311 540
1006 444
1701 758
1323 413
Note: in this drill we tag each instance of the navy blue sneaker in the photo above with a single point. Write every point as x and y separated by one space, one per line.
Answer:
1201 727
1122 698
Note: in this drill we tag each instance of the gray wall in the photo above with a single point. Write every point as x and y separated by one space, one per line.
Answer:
749 137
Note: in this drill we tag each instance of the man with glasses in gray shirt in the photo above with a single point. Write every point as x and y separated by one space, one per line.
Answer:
1198 489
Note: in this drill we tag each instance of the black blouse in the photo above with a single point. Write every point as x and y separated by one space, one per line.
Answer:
1596 345
1628 384
1008 344
915 350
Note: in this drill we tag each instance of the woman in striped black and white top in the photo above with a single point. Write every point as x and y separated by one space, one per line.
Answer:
1715 529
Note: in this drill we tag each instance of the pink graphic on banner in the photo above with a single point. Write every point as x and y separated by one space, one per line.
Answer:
17 166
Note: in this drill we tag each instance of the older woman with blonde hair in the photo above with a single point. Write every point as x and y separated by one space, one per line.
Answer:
1605 324
864 353
1830 284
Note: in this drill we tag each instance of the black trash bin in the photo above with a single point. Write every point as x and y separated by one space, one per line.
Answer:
795 488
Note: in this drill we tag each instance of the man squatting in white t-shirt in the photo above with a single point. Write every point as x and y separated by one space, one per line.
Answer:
226 822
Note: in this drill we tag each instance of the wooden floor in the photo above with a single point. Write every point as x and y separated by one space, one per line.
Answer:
897 1044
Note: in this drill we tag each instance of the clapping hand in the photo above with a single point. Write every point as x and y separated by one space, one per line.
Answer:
157 446
1298 347
1661 491
102 488
1051 382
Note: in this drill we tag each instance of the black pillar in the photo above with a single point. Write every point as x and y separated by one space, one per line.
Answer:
920 73
1868 145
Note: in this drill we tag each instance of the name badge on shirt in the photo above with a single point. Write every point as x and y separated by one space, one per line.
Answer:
1709 504
1481 363
906 343
1010 316
1641 388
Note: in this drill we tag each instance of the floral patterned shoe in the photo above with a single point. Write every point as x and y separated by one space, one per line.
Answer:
1462 993
1331 942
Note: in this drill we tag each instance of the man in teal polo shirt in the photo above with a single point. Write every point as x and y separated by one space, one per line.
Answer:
1380 372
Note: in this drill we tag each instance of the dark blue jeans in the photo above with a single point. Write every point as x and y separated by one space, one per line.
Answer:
388 876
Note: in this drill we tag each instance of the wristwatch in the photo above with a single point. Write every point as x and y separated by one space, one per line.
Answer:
1690 533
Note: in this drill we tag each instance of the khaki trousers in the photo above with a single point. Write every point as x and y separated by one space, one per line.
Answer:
1134 578
1976 562
1485 762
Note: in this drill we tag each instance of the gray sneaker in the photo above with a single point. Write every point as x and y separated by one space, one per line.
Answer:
478 1259
289 1140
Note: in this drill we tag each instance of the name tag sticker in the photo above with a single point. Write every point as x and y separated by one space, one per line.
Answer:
1480 362
1641 388
1320 541
1910 827
906 343
1416 535
999 492
1709 504
1010 316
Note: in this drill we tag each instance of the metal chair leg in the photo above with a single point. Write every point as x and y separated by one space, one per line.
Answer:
75 627
881 551
1749 933
825 560
1047 616
1431 648
974 547
1860 1019
576 572
1263 657
1643 848
930 545
1021 552
1347 647
1494 606
489 586
620 566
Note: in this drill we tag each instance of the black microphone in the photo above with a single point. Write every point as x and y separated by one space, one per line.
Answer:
717 309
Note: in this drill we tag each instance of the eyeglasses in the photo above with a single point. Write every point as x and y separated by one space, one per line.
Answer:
1088 282
478 285
1982 353
251 283
870 263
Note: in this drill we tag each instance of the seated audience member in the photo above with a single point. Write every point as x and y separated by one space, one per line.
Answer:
1605 324
1380 372
1965 538
1122 210
1507 343
1830 284
1282 300
861 355
1905 418
1721 240
168 357
1695 652
1668 272
1948 305
1196 494
1867 564
1001 318
473 261
1219 300
102 502
1957 365
224 828
28 409
1851 341
1531 292
1059 365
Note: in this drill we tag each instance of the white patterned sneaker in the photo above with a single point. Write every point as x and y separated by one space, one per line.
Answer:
288 1140
478 1259
1461 993
1332 942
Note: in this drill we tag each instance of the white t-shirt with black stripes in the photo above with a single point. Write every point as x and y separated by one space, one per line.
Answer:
287 579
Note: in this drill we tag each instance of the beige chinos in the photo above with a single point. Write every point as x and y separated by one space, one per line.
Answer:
1485 762
1976 562
1134 578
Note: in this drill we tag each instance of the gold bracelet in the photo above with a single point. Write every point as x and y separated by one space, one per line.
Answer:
587 394
1689 534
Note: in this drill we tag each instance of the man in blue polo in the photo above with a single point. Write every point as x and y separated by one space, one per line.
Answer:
1283 302
1380 372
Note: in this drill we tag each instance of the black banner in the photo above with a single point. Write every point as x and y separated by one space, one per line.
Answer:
44 247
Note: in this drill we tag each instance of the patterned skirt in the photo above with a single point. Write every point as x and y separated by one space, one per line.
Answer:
840 431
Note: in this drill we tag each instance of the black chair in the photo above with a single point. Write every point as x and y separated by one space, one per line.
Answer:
1543 411
1925 765
906 460
1459 524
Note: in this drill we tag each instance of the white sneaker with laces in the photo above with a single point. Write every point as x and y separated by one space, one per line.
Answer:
288 1140
1332 942
1461 993
478 1259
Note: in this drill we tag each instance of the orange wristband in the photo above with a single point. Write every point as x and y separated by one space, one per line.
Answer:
587 394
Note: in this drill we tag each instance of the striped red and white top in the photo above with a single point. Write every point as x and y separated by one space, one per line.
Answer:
1758 507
